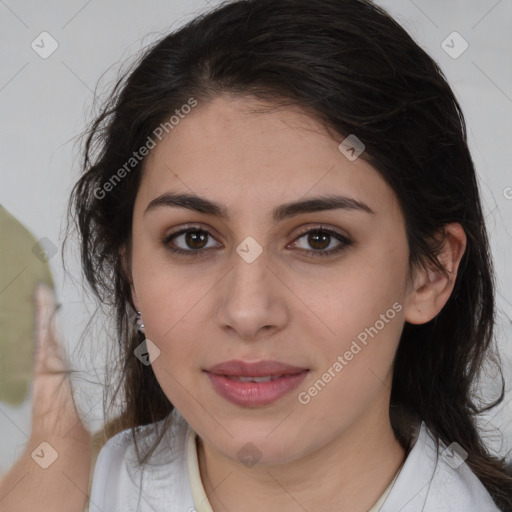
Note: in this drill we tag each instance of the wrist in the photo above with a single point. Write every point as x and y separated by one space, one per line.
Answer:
77 439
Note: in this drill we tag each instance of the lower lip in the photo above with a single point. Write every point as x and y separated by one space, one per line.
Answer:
253 394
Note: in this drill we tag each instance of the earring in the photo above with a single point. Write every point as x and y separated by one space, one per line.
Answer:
140 323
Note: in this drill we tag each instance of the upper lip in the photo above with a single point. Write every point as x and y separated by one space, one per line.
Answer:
257 369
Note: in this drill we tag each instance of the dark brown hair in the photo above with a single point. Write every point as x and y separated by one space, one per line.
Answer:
351 66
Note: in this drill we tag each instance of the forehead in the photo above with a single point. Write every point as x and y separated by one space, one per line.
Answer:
244 155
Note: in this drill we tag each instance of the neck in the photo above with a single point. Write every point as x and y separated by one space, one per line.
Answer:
353 469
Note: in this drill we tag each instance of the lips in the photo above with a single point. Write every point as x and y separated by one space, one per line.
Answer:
254 384
236 368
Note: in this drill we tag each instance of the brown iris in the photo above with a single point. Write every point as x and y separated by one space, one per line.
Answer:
317 240
196 239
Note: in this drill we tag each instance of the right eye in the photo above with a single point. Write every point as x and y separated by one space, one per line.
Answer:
193 241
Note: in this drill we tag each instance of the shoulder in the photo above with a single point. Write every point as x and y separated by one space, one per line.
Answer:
437 479
455 486
120 483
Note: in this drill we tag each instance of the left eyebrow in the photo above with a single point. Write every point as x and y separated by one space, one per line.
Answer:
317 204
281 212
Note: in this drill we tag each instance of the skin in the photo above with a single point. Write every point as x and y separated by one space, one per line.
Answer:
284 306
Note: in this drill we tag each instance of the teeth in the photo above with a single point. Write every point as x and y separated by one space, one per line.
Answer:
266 378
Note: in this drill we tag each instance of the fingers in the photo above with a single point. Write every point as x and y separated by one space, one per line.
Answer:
47 357
54 412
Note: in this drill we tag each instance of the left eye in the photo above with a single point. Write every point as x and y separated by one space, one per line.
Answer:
195 242
321 240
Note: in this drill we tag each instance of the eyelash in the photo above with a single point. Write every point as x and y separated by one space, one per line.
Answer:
345 242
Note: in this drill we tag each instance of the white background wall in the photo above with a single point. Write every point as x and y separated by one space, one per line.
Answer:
44 104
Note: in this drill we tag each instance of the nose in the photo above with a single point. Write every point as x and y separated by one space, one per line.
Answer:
253 301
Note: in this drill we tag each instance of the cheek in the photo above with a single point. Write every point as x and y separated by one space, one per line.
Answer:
361 312
364 290
355 369
173 307
176 320
168 293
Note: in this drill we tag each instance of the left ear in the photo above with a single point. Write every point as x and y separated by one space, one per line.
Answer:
432 287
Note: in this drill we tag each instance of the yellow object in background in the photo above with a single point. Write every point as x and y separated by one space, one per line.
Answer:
23 263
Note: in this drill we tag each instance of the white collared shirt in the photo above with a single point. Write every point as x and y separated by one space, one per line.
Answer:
429 481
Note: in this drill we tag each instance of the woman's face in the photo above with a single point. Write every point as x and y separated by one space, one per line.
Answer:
254 286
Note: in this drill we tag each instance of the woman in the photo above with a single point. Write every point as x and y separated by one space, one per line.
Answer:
255 106
281 197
